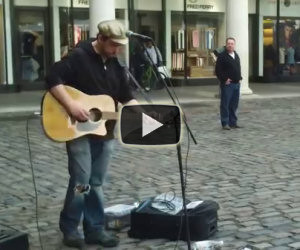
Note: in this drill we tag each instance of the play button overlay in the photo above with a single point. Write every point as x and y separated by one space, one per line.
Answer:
150 124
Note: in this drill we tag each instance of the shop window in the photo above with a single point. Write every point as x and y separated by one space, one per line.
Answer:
73 31
65 31
289 47
202 38
32 44
148 23
74 26
120 14
81 25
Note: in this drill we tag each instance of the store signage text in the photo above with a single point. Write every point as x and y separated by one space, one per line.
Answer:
83 2
199 6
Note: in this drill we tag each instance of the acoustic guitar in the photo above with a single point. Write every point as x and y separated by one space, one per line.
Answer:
59 126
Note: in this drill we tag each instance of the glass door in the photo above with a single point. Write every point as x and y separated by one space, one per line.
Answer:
32 45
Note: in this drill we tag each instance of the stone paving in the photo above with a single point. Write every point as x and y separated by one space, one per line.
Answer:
253 173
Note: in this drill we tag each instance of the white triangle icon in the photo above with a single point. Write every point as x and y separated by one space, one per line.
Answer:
149 124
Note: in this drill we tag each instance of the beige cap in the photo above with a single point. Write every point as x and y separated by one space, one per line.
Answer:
114 30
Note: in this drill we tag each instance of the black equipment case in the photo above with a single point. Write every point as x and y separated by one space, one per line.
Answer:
150 223
13 240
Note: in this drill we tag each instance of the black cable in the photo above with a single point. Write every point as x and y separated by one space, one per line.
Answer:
156 73
186 159
167 202
175 100
11 228
185 185
169 81
165 74
33 181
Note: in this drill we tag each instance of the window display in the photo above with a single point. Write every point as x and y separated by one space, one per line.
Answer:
202 36
32 45
71 35
289 46
148 23
79 18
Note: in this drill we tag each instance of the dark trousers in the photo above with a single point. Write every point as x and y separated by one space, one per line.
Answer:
230 95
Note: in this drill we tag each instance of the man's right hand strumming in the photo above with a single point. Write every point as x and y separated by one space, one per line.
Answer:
76 111
73 107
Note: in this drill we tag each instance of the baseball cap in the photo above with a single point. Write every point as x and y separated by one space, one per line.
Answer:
114 30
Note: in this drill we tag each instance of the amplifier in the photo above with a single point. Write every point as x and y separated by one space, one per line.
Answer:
13 240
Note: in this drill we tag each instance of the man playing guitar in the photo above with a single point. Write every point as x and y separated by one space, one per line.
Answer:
92 67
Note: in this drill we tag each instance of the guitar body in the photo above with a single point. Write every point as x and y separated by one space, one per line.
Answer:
59 126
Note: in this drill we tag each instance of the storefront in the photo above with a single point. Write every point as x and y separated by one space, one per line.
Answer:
42 32
205 32
38 34
164 22
207 24
30 42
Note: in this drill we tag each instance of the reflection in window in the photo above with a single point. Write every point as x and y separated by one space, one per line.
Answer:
289 47
30 65
148 23
74 26
71 32
31 34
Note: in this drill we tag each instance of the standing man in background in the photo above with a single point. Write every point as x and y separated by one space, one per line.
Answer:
228 71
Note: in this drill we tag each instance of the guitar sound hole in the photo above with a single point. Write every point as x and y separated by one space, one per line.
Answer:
95 115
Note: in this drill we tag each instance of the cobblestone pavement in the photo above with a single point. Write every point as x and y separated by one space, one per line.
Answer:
253 173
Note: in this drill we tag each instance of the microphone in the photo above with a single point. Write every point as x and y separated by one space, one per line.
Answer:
139 36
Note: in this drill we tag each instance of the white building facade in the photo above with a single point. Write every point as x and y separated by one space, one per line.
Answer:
36 33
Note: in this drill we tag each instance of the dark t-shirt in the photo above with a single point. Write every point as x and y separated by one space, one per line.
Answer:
85 70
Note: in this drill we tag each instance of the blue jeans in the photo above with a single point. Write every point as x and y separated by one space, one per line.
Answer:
88 159
230 95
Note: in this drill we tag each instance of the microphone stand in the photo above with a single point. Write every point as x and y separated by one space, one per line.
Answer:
179 154
138 86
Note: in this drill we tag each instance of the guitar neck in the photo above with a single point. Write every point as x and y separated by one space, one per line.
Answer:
110 115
